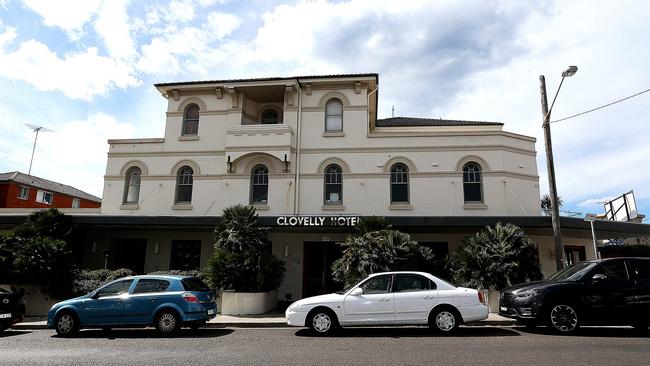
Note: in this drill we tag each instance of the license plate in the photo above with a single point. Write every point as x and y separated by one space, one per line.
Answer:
503 308
210 312
4 316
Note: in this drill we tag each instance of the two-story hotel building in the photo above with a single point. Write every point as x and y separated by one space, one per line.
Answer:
303 150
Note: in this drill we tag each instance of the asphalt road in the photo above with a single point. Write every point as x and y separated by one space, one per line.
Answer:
361 346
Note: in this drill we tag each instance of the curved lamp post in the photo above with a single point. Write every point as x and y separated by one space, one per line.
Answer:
550 166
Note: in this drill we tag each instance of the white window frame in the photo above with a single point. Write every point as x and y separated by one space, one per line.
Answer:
25 190
76 203
40 197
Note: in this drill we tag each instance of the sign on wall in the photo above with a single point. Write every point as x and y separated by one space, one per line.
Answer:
304 221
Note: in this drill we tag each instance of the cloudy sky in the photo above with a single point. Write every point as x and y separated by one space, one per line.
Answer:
86 69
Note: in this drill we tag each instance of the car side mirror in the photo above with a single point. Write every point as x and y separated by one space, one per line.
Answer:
357 291
95 296
598 277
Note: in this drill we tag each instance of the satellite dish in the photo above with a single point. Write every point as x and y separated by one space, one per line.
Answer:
36 129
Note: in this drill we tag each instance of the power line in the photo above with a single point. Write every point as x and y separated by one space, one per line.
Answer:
602 106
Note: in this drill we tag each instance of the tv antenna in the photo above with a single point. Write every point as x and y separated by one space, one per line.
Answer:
36 129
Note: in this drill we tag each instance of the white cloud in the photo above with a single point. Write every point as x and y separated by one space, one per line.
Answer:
69 15
156 59
113 26
7 37
592 202
78 75
220 25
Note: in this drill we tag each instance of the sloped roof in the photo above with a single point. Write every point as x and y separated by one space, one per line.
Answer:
48 185
417 122
225 81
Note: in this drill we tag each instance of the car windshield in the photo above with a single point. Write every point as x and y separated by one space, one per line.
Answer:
573 273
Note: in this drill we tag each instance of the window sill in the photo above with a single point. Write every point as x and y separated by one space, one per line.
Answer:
334 134
182 206
333 207
188 138
475 206
23 198
400 206
260 206
129 206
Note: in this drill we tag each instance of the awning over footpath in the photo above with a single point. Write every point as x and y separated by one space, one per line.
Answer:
533 225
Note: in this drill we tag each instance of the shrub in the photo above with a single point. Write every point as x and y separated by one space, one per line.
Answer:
48 262
495 258
368 224
87 281
242 260
380 251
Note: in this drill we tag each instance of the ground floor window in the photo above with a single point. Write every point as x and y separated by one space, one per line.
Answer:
574 254
186 255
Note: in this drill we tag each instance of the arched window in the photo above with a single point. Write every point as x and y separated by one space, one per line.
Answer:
132 185
270 117
184 182
333 185
399 183
259 185
191 120
472 182
334 116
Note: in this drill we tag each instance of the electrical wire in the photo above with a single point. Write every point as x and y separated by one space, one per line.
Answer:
601 107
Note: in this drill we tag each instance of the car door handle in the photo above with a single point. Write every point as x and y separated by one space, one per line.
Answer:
384 299
427 297
152 299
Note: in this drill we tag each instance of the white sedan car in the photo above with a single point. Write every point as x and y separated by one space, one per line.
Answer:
391 298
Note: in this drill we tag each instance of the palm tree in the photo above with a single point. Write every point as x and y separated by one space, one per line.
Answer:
495 258
546 202
368 224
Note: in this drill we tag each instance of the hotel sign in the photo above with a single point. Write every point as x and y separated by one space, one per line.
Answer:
304 221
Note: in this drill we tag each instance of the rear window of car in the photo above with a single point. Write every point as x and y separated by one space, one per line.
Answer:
195 284
147 285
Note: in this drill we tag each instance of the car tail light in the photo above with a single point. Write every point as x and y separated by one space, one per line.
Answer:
481 297
190 297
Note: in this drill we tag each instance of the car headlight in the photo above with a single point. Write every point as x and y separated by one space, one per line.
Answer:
527 293
295 307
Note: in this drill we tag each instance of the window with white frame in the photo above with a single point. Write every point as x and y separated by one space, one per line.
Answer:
184 183
132 186
472 190
399 183
76 203
23 193
44 197
334 116
260 185
333 185
191 120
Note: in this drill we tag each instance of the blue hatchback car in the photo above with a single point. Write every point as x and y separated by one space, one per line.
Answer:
165 302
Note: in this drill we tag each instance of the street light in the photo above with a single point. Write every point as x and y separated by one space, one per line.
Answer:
550 166
591 218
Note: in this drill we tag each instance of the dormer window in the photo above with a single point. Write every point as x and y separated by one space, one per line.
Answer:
190 120
270 117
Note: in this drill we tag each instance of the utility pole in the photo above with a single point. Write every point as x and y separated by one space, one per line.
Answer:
550 167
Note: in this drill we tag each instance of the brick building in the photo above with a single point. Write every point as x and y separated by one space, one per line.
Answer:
18 190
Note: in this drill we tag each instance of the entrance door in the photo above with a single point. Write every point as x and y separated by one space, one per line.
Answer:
129 253
318 257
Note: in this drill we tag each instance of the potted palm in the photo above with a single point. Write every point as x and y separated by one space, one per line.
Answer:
243 269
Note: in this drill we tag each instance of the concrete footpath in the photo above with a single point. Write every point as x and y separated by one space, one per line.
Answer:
269 320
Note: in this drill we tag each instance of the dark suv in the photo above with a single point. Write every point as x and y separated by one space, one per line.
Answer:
601 292
12 307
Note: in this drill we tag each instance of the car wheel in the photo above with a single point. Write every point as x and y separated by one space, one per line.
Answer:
563 318
167 322
66 324
444 321
322 322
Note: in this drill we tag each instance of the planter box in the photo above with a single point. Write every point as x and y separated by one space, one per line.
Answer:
36 302
247 303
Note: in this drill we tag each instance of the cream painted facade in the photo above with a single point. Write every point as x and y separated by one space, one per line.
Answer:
229 130
231 141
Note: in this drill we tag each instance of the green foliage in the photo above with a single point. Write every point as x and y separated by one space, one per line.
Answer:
87 281
181 272
546 202
380 251
48 262
37 251
496 258
242 259
368 224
